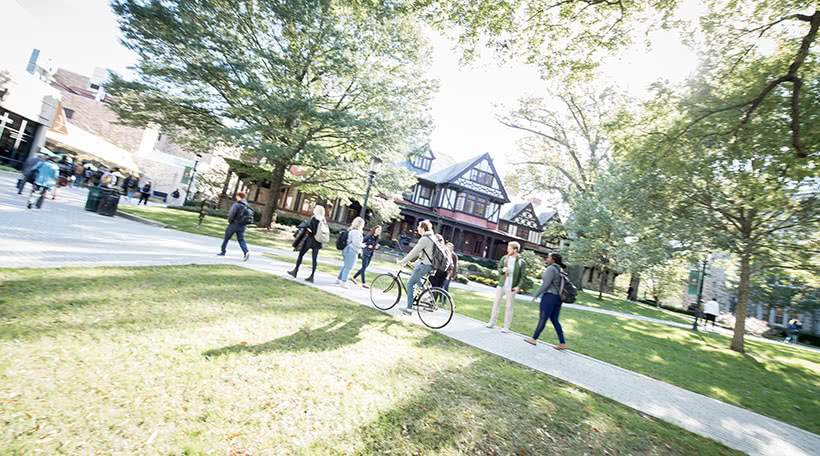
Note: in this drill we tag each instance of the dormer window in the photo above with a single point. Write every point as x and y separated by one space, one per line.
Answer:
481 177
422 162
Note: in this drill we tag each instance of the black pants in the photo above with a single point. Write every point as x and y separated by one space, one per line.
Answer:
308 246
365 264
550 310
144 198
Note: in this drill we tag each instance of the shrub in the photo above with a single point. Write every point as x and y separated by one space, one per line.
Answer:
491 264
462 279
389 243
485 281
288 221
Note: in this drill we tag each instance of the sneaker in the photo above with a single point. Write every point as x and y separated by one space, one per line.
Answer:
560 347
406 311
364 285
343 284
220 254
353 281
504 330
29 206
490 325
530 340
338 282
247 255
309 279
292 273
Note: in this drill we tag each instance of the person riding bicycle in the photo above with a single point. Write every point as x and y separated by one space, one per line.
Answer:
423 251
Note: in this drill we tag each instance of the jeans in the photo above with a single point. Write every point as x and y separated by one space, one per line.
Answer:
144 200
239 230
446 285
550 309
365 264
419 271
349 254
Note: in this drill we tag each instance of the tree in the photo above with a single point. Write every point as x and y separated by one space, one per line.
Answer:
665 280
319 86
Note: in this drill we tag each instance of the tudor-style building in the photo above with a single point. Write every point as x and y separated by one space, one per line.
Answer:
462 200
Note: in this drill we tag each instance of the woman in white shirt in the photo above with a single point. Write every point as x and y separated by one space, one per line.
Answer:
351 251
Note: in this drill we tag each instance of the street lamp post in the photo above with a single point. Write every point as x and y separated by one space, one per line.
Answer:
375 163
191 179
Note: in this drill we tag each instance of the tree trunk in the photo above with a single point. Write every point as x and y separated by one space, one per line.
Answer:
269 213
601 284
634 282
224 192
742 303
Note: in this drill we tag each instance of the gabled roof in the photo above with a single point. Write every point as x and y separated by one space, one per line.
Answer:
513 210
452 173
546 216
424 151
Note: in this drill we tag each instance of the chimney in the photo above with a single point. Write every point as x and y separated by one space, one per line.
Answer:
535 201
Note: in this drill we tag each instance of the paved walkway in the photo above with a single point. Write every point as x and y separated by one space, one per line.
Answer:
64 234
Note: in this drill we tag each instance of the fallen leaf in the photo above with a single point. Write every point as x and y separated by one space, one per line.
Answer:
231 436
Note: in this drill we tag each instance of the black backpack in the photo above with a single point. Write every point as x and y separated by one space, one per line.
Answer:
247 216
441 258
566 290
341 240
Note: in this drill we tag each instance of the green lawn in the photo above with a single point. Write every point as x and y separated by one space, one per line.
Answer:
609 302
9 169
199 360
773 380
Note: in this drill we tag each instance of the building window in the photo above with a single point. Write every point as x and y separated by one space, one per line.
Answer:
422 163
425 193
511 229
481 177
523 232
469 204
94 86
290 200
307 204
460 202
69 113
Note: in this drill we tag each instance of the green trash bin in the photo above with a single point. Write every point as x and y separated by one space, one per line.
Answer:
93 201
108 203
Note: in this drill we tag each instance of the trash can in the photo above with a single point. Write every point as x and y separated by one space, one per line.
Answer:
109 202
93 201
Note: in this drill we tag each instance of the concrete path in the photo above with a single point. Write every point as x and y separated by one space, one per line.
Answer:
64 234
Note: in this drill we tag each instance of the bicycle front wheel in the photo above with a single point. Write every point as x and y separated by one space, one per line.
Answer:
385 291
435 308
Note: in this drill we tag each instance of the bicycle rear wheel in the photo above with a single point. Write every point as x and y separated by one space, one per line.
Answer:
435 308
385 291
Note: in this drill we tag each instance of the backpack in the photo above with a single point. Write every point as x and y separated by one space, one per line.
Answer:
566 290
322 233
441 257
247 216
341 240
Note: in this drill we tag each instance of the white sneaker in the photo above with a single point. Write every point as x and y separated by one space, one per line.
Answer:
489 326
343 284
505 330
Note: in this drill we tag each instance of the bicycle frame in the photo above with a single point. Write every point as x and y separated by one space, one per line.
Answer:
425 284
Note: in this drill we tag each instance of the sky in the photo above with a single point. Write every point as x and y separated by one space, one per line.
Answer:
79 35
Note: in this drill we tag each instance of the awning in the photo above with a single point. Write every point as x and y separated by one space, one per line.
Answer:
84 142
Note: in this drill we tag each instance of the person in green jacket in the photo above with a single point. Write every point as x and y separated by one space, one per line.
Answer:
512 271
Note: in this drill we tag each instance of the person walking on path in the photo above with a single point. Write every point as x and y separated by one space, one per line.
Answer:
236 225
311 235
28 176
145 193
452 272
371 243
513 271
423 251
793 330
711 310
47 172
355 243
550 300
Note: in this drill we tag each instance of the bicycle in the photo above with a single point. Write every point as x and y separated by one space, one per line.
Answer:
433 304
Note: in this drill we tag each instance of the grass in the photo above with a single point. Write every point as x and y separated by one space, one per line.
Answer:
224 360
609 302
773 380
9 169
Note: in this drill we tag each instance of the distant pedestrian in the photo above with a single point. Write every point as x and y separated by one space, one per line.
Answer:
79 175
355 243
133 186
46 178
513 271
28 175
371 243
237 221
145 193
402 240
452 273
311 235
711 310
550 300
793 330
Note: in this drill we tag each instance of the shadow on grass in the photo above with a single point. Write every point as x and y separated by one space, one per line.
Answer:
496 407
336 334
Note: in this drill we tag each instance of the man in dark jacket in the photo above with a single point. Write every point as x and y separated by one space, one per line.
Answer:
235 225
27 175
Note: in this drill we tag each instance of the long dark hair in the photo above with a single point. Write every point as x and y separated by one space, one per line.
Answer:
556 258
